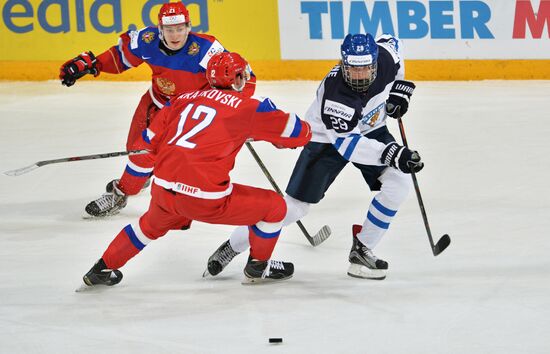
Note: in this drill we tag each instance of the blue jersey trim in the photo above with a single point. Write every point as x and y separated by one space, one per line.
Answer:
145 137
136 173
297 129
266 106
354 140
262 234
338 143
133 238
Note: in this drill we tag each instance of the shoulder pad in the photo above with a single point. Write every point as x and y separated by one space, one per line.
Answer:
144 36
391 44
266 105
215 48
134 36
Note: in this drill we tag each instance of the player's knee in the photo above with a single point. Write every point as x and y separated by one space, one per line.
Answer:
148 228
297 208
277 210
268 228
396 191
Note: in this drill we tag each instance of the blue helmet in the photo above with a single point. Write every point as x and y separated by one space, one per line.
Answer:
359 61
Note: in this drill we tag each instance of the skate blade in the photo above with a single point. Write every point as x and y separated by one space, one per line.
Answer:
206 274
360 271
87 216
259 281
84 288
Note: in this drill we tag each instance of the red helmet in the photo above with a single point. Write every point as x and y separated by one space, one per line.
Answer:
223 69
173 13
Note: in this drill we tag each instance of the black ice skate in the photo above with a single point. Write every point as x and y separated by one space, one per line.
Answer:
110 203
220 259
109 186
267 271
101 275
363 263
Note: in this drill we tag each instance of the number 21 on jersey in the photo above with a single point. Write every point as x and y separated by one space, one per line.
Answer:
206 113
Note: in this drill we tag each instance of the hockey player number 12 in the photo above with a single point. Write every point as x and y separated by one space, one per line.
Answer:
201 111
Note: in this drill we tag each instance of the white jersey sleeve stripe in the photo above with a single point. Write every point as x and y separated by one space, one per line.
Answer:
290 127
216 47
136 170
122 56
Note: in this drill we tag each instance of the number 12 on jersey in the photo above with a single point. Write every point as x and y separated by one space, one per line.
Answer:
207 113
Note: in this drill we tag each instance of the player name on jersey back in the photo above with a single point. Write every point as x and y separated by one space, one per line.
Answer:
216 95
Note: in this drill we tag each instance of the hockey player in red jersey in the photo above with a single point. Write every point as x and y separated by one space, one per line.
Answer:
348 118
196 139
178 59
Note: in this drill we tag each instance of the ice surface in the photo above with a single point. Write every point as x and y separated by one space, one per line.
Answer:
486 150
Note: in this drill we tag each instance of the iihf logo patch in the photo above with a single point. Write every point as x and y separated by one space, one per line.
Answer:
193 49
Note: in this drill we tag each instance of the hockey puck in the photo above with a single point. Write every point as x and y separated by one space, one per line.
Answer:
275 340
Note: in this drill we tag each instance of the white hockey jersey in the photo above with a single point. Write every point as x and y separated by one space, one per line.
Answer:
342 117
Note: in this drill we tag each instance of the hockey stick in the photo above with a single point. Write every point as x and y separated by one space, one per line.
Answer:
445 240
316 239
27 169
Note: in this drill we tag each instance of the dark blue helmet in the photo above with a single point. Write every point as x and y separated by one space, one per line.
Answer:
359 61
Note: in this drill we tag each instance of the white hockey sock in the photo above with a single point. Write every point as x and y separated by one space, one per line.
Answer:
376 224
239 239
295 210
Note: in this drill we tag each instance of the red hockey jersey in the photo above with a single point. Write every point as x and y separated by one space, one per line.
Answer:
171 74
197 136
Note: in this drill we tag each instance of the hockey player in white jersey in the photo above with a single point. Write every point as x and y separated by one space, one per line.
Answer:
348 120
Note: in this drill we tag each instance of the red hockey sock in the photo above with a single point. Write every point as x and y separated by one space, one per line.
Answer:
124 247
133 179
262 243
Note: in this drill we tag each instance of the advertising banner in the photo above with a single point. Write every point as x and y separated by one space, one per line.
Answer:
292 39
58 29
430 29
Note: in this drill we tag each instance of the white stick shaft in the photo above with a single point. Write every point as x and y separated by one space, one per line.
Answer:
21 171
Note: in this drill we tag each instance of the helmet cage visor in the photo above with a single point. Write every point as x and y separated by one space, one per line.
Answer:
359 78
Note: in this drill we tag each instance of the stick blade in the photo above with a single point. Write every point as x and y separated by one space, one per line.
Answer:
442 244
21 171
321 236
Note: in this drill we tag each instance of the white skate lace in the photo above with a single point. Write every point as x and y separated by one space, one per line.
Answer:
106 201
272 264
368 253
226 255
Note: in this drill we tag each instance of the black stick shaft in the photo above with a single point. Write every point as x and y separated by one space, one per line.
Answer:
91 157
417 190
276 187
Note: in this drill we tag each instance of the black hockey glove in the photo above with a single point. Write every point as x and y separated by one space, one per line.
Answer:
74 69
401 158
400 95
